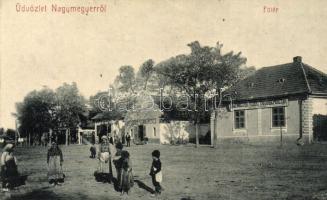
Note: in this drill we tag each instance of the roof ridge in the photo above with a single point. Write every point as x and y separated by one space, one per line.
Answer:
274 77
305 78
314 69
262 68
272 66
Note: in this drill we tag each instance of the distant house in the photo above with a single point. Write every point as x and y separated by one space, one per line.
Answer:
109 125
282 102
143 125
148 122
85 132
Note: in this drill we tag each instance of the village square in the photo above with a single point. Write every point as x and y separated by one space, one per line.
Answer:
171 100
251 131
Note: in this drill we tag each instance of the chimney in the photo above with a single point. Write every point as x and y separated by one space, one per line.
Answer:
297 59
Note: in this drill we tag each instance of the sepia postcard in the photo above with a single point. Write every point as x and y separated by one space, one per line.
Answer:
163 99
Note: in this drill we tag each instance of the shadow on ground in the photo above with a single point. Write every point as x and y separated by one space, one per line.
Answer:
36 194
44 193
144 186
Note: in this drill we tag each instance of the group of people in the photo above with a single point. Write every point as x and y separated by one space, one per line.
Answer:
11 177
121 159
108 154
123 165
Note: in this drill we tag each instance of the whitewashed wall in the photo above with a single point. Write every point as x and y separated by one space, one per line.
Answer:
182 129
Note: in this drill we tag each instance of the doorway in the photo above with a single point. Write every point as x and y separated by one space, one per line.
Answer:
141 132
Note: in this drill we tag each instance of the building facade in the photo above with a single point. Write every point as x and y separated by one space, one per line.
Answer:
153 125
281 103
106 125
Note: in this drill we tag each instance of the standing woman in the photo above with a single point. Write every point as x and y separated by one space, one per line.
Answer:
55 160
104 157
104 153
9 172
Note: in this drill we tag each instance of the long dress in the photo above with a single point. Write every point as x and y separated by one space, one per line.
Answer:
117 160
9 172
127 180
55 159
104 156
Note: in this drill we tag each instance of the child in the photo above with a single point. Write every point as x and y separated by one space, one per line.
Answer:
126 174
93 151
155 171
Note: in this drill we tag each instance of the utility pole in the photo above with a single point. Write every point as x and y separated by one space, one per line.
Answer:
16 133
281 135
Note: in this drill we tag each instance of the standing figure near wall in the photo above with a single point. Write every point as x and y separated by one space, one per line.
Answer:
93 138
128 140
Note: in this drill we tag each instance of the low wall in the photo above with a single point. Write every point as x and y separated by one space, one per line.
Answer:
271 139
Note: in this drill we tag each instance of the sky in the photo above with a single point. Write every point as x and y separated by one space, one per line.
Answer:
50 48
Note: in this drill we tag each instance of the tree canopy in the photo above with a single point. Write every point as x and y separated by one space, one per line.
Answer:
47 109
202 73
126 79
34 113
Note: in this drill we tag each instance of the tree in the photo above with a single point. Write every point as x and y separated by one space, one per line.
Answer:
126 79
34 113
129 83
105 103
202 72
10 133
94 102
43 110
70 106
2 131
145 72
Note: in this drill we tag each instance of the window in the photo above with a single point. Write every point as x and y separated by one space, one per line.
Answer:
278 117
154 131
239 118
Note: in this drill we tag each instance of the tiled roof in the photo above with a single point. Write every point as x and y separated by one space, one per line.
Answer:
98 116
144 109
281 80
317 80
106 116
142 115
